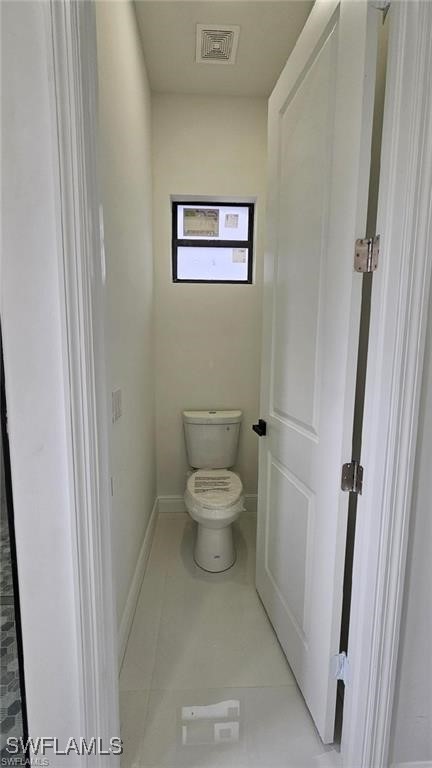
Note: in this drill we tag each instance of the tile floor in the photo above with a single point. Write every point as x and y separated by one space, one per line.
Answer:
10 695
204 683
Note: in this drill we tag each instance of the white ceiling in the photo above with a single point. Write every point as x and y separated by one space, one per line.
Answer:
269 30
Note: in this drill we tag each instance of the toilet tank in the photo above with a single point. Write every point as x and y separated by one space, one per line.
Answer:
212 438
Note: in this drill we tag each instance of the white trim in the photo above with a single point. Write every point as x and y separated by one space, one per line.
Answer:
421 764
177 504
135 586
398 324
73 31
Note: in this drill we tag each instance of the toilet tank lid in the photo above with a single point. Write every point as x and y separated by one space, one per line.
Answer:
212 417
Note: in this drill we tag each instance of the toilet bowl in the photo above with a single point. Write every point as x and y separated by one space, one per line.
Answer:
214 499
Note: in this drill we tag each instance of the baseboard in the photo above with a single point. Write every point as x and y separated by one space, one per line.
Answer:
134 590
419 764
176 503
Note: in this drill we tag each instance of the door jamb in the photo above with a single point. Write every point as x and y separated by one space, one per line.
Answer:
394 366
73 34
399 310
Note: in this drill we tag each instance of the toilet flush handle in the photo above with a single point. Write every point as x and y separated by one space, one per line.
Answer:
260 428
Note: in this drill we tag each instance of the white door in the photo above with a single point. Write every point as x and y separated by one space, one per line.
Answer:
320 124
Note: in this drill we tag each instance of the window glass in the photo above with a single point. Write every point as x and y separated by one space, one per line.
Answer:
212 223
212 263
212 242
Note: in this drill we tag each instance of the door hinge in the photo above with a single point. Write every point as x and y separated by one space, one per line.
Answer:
352 477
340 667
366 254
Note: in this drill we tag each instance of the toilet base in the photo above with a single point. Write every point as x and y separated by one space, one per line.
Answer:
214 548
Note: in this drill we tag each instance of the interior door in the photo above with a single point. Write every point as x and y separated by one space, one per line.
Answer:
320 124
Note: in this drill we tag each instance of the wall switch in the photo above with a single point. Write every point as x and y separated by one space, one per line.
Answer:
116 405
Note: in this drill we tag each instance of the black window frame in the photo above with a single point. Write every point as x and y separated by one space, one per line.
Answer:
204 243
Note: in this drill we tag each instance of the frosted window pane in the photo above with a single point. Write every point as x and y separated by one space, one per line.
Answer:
212 263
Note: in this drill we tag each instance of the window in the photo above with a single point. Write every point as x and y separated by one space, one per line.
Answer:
212 242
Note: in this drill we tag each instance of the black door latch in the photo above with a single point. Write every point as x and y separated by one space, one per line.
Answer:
260 428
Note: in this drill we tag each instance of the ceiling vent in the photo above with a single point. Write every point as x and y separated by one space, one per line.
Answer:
216 44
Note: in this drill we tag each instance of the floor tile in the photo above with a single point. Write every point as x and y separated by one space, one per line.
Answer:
10 693
213 629
203 640
227 728
133 713
139 659
170 739
220 639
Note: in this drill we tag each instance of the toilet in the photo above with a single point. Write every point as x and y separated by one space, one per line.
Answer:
214 494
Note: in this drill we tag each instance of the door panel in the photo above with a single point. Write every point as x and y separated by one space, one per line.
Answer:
305 130
320 121
289 532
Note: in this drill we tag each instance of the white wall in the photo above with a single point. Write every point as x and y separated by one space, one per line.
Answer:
33 324
125 164
412 718
208 337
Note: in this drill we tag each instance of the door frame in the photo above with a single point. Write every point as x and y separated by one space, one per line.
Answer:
392 396
52 317
399 314
73 34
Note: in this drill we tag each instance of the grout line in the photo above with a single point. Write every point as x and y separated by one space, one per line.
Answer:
288 686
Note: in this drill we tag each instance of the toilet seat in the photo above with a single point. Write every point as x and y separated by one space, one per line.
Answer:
214 489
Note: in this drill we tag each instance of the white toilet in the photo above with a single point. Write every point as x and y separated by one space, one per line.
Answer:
214 495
